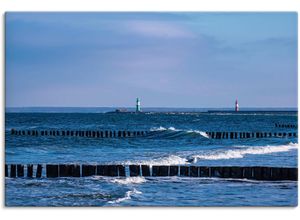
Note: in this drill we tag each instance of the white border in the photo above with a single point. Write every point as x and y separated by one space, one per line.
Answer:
138 213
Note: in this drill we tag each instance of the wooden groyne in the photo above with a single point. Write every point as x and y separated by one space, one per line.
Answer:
127 134
85 170
285 125
244 135
80 133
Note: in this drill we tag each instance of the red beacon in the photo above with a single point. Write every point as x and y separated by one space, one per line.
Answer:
236 105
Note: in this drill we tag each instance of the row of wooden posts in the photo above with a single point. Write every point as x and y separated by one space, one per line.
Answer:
285 125
119 134
84 170
243 135
94 134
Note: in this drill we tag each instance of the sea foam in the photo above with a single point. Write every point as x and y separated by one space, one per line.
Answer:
242 151
239 152
126 197
202 133
167 160
129 180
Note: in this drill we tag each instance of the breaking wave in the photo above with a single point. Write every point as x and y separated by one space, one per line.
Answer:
126 197
236 153
168 160
160 128
129 180
172 129
242 151
198 132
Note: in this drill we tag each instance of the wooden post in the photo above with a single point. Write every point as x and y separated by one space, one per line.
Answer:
184 171
6 170
20 170
216 172
121 170
100 170
39 171
163 170
88 170
237 172
29 170
204 172
155 170
13 173
257 173
134 170
266 173
145 170
51 171
194 171
112 170
174 170
75 170
64 170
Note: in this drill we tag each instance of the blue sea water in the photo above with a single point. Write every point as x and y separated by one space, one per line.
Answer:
177 136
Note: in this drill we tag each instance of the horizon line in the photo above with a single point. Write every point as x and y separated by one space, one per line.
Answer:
245 107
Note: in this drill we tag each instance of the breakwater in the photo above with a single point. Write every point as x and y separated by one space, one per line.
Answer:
127 133
243 135
77 133
84 170
277 125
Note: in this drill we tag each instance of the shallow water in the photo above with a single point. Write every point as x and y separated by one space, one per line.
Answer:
175 138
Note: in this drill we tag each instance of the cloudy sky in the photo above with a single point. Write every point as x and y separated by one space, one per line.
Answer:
166 59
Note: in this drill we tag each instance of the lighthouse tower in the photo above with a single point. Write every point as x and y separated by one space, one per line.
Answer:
236 105
138 105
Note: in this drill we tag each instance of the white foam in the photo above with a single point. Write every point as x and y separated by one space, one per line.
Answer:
169 160
160 128
240 153
173 129
202 133
126 197
129 180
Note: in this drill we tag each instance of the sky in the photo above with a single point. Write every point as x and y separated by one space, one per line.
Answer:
204 60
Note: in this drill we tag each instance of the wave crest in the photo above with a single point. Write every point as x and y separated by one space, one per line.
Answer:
126 197
168 160
172 129
240 153
129 180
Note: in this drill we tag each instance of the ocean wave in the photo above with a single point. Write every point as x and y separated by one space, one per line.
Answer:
242 151
126 197
172 129
236 153
168 160
129 180
160 128
202 133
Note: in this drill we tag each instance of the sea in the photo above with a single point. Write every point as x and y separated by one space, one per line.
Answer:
177 138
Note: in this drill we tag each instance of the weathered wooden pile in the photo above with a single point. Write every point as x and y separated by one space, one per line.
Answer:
84 170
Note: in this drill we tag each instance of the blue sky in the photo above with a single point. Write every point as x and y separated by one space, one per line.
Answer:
166 59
